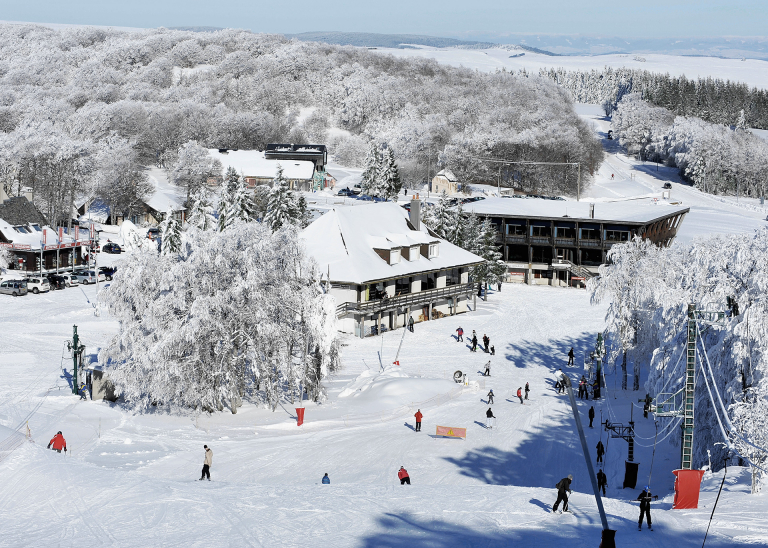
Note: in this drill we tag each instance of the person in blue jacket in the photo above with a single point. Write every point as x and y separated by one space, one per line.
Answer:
326 479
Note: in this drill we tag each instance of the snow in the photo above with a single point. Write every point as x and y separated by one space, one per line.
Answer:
131 479
167 196
750 71
343 241
251 163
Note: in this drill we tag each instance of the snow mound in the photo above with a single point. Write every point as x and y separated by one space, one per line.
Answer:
393 388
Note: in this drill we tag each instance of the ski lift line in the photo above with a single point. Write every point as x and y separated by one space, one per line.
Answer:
662 430
717 391
672 431
671 375
714 408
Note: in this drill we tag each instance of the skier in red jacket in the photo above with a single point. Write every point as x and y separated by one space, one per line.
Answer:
58 442
520 394
403 475
418 416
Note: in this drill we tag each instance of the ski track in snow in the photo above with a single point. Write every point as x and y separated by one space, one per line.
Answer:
136 483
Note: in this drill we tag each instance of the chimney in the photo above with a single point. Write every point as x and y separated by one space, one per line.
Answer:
29 194
591 211
416 212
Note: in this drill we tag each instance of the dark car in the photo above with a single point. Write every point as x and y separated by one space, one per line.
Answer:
667 185
344 192
57 282
111 248
108 271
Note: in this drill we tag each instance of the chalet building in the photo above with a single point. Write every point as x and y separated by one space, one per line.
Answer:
384 267
256 169
558 242
34 245
316 154
446 181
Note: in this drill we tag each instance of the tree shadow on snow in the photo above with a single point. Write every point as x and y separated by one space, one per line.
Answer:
553 354
396 530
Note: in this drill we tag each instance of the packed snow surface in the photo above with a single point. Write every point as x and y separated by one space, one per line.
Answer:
132 479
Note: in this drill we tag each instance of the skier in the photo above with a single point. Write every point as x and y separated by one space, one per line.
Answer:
490 397
404 477
645 507
557 386
602 481
570 356
418 416
527 389
410 323
600 451
460 333
207 463
596 389
487 372
486 342
581 388
611 176
58 442
488 417
493 351
563 488
83 392
474 342
326 479
499 284
520 394
591 415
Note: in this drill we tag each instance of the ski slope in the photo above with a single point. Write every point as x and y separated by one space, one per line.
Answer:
131 479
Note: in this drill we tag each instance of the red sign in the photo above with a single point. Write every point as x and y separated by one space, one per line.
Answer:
49 247
576 278
92 229
3 244
299 416
77 232
687 485
61 233
450 432
22 246
45 237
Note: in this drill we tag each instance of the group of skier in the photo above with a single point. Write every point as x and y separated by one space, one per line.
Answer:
487 348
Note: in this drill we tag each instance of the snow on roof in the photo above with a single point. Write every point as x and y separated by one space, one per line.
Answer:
448 174
34 236
632 212
343 241
252 163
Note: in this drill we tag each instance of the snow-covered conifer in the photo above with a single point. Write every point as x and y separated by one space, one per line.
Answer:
281 209
201 212
170 234
388 178
369 183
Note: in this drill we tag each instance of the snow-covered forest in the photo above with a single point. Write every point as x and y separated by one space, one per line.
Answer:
715 158
649 290
76 101
711 99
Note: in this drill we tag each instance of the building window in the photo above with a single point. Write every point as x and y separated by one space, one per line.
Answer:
589 234
394 256
413 253
402 286
452 277
432 251
515 230
616 236
540 231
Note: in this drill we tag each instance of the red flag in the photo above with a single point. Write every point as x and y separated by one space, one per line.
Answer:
61 234
91 231
45 237
299 416
77 233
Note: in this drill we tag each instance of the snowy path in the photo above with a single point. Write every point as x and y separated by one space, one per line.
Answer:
130 480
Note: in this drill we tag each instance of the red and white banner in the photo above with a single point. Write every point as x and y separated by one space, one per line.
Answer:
49 247
92 230
61 233
77 232
3 244
22 246
45 237
451 432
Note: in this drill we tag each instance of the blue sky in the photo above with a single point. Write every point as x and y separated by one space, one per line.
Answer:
451 18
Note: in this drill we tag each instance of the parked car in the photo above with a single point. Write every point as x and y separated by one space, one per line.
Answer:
86 277
153 233
69 280
112 248
344 192
357 189
13 287
108 271
36 285
57 282
667 185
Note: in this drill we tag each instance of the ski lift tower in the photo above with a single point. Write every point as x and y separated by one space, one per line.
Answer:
681 403
77 351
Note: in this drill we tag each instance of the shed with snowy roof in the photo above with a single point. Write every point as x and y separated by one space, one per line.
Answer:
383 267
445 181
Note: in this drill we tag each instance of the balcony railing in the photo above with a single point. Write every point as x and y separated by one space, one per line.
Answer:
565 241
590 243
516 238
408 301
541 240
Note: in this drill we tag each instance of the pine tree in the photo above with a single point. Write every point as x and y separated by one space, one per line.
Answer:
388 178
493 269
439 217
370 180
281 208
241 207
227 198
170 234
201 213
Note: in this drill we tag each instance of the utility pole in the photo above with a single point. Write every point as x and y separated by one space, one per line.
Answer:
77 350
578 184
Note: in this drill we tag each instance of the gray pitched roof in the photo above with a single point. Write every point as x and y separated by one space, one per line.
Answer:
20 211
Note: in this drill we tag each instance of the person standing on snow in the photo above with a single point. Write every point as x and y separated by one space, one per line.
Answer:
418 416
600 451
591 415
645 507
490 397
527 389
410 323
520 394
488 417
602 481
486 342
207 463
570 356
493 351
563 488
460 333
487 372
404 477
58 442
326 479
557 386
474 342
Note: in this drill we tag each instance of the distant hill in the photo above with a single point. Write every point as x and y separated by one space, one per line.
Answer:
374 40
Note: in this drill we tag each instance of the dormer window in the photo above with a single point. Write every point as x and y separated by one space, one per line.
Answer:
36 227
432 251
394 256
413 253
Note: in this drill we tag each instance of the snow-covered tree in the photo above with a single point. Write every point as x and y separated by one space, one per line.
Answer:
234 315
285 206
750 421
201 213
5 257
369 182
439 216
493 269
170 234
388 178
236 202
193 167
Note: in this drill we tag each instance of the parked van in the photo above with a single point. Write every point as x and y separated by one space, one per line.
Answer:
38 285
13 287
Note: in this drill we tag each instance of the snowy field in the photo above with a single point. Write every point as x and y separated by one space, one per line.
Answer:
753 72
131 480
